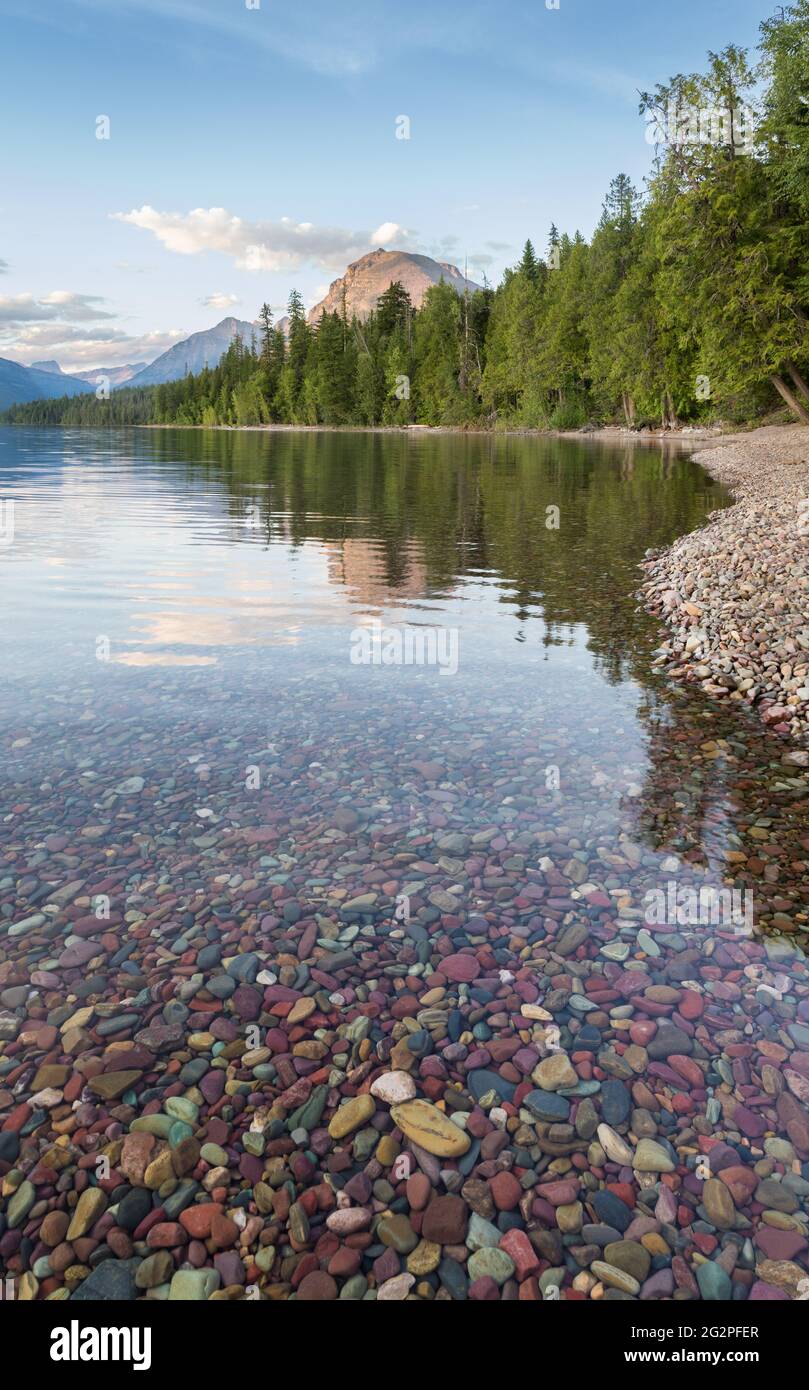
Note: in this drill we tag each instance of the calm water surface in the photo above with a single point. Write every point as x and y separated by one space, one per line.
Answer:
181 607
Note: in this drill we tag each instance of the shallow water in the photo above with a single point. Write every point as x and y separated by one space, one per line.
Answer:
189 606
326 756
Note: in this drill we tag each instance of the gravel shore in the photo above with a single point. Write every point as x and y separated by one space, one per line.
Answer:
736 592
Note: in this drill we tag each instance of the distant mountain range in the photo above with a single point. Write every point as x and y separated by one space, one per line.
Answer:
116 376
18 383
359 289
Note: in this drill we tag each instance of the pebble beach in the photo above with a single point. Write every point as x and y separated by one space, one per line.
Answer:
736 592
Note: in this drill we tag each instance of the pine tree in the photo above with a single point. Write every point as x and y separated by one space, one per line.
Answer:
529 265
394 309
437 341
265 319
291 385
612 252
334 371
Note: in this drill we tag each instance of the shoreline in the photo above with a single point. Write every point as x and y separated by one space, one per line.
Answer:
735 593
615 433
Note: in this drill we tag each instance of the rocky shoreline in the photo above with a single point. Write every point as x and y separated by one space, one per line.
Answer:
736 592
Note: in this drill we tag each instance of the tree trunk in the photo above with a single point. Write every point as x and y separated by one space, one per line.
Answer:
792 401
631 404
798 379
625 404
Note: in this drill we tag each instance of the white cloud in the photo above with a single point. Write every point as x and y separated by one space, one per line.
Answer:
60 304
77 347
3 267
262 246
74 329
220 300
390 234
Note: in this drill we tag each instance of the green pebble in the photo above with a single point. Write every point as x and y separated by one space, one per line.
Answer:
481 1233
551 1278
309 1114
214 1154
397 1233
181 1108
20 1204
364 1144
159 1125
193 1285
494 1262
714 1283
354 1288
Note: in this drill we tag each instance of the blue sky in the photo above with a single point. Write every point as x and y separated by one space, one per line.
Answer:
253 146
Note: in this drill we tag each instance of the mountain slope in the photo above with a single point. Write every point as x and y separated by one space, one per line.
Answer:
18 383
194 353
369 277
116 376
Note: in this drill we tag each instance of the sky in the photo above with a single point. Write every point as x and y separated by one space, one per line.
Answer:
253 146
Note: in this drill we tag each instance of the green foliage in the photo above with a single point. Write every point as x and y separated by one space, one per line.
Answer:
570 414
785 127
129 406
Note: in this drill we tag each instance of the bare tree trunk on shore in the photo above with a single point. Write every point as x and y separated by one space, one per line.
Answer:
798 379
796 406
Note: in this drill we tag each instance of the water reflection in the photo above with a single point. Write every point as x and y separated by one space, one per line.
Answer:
225 571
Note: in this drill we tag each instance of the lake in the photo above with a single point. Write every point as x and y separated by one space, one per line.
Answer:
350 708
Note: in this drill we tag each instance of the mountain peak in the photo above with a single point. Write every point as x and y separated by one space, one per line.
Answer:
51 366
368 278
195 352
